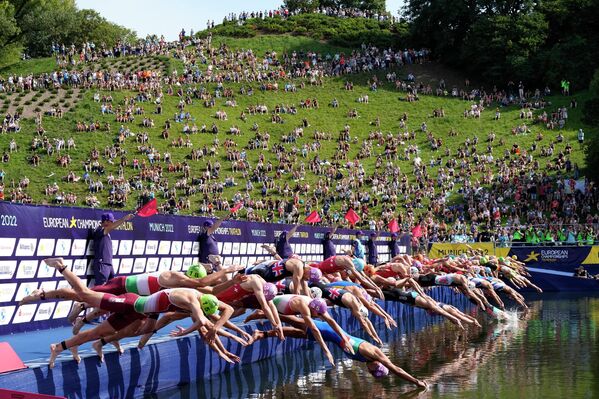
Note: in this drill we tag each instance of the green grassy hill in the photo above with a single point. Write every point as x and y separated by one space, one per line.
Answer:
384 104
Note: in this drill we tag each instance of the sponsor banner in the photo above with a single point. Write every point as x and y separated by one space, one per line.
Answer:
7 291
25 289
46 247
24 313
7 245
28 234
7 269
593 256
6 313
44 311
63 247
26 247
442 249
564 259
27 269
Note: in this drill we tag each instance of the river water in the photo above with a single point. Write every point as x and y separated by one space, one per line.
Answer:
551 351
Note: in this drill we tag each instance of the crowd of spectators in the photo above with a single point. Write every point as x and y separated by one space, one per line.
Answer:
283 12
514 199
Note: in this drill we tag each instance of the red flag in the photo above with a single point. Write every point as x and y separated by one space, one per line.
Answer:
149 209
237 207
314 217
417 231
393 226
352 217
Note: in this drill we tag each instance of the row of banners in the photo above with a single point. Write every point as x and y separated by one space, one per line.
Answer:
561 258
29 234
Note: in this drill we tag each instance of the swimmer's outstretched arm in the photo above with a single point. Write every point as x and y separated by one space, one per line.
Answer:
373 353
224 333
237 329
318 337
225 312
238 279
331 322
379 311
165 320
271 251
215 344
268 311
215 277
366 282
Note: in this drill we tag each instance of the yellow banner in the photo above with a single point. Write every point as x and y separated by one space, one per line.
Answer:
441 249
593 256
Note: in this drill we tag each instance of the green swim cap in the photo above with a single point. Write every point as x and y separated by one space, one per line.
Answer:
196 271
501 259
483 260
209 304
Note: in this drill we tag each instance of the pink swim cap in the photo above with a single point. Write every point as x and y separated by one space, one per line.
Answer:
270 291
379 371
314 275
318 305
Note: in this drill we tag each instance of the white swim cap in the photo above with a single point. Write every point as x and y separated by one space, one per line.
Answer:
364 312
316 292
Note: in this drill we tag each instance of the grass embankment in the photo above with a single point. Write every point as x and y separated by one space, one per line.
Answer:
384 104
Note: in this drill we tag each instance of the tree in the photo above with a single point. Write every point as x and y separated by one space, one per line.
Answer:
500 47
441 25
8 24
302 5
8 29
590 116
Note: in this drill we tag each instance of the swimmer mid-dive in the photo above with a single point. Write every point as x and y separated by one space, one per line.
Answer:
377 362
130 309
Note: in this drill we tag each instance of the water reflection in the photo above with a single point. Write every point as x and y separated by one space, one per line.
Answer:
552 351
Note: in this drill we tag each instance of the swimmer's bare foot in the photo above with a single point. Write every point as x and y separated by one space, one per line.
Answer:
98 348
78 325
118 347
144 340
56 263
76 310
258 334
257 315
268 248
75 352
55 350
35 296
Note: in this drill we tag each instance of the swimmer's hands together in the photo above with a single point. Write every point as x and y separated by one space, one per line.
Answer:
347 345
179 332
387 324
247 337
